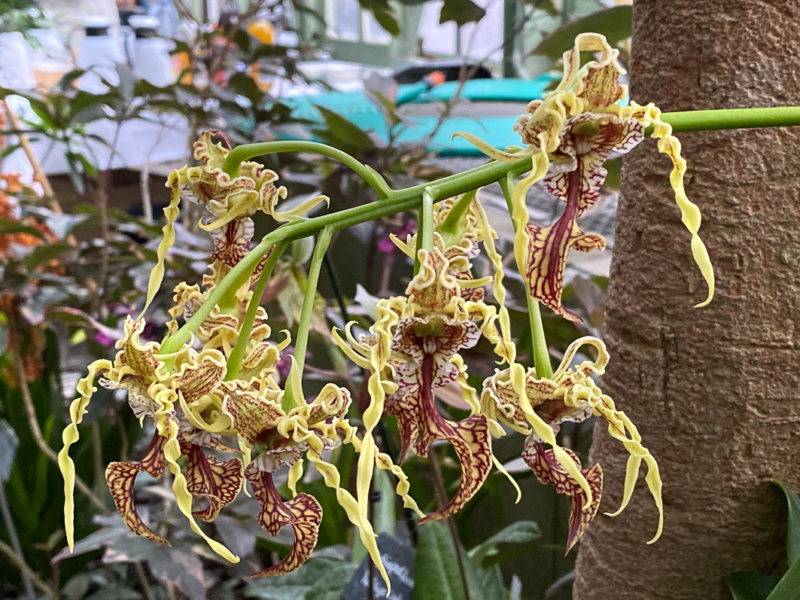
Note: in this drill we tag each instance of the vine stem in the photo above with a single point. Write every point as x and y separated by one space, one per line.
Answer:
304 325
541 355
26 570
399 201
242 153
237 354
732 118
394 201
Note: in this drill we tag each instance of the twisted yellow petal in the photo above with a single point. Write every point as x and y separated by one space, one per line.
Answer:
69 436
167 239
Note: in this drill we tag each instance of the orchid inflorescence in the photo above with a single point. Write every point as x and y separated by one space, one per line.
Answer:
221 418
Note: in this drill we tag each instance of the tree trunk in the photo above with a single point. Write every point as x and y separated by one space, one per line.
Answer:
713 391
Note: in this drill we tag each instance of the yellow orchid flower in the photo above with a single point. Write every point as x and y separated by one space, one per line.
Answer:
570 133
275 437
539 405
230 201
413 351
155 393
185 393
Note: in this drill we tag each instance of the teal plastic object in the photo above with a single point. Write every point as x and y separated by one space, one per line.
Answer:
491 90
359 109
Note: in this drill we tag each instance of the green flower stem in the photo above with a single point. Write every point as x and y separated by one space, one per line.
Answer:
241 153
425 230
734 118
310 296
228 301
450 225
395 201
304 325
541 356
398 201
237 354
172 343
427 220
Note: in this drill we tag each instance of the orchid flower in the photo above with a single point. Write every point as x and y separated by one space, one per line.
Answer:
413 350
569 135
155 393
536 406
275 437
230 201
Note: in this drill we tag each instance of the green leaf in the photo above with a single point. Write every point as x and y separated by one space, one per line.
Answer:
343 134
614 23
318 578
793 534
436 574
547 6
383 14
88 167
389 107
788 587
242 39
42 110
42 254
460 11
385 516
8 226
521 532
270 51
750 586
246 86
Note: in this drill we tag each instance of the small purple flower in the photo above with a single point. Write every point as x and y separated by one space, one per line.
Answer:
386 245
104 340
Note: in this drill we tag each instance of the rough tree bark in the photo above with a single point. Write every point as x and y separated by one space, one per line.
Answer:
714 391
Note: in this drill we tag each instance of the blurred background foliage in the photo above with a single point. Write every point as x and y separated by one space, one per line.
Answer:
76 251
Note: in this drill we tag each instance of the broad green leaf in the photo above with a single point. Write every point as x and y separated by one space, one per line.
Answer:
614 23
383 13
521 532
242 39
45 252
793 534
436 574
460 11
387 20
385 516
389 107
788 587
343 134
8 226
270 51
88 167
750 586
319 578
246 86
